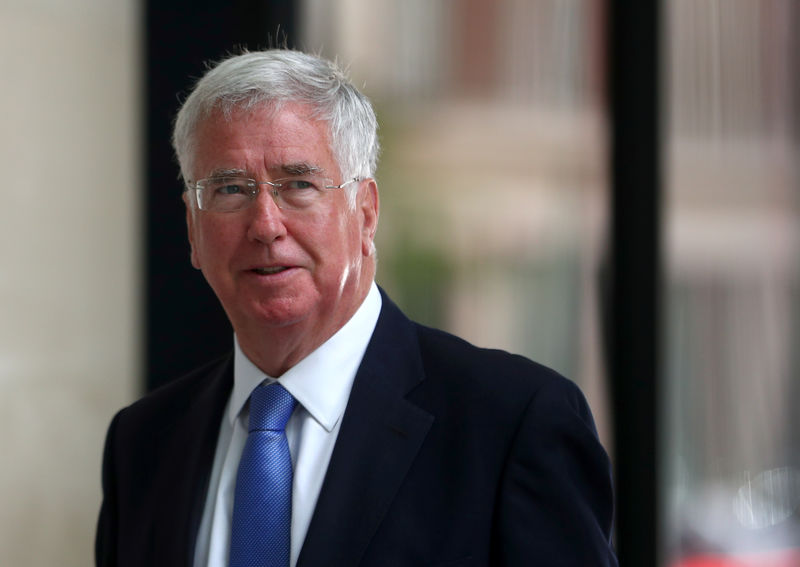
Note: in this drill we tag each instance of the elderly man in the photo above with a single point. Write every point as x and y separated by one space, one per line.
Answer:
338 432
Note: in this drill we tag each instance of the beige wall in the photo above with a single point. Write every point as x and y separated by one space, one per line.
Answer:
69 277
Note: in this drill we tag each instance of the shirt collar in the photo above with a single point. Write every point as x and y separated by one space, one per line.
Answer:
322 381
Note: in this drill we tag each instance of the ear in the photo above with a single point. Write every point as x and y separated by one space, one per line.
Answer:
190 220
369 207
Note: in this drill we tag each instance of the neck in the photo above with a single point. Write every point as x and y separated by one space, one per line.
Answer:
276 349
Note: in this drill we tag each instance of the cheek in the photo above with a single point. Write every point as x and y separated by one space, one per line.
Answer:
214 243
349 244
328 236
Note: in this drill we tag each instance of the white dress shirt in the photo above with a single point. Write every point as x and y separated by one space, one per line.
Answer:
321 384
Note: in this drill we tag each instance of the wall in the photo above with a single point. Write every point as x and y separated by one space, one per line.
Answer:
69 278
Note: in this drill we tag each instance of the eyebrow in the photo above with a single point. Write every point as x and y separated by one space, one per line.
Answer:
300 168
228 172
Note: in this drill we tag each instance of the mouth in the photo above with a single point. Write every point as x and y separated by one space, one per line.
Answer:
270 270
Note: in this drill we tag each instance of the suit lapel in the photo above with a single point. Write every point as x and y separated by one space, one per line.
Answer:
185 452
380 436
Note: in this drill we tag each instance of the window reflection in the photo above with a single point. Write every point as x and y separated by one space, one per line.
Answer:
494 170
493 180
732 475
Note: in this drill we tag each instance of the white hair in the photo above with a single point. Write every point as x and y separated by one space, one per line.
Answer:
276 77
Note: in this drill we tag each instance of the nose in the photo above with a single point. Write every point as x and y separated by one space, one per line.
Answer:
265 223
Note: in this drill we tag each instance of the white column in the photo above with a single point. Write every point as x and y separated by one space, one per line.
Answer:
69 264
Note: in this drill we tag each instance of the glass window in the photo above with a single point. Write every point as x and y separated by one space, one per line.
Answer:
493 176
732 486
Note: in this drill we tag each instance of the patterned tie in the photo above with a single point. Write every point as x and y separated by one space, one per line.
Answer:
262 505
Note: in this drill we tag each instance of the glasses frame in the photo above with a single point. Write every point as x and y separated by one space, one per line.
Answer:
195 188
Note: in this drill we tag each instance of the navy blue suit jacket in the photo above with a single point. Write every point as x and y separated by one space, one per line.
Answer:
447 455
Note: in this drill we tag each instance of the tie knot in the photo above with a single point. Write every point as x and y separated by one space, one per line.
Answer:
271 406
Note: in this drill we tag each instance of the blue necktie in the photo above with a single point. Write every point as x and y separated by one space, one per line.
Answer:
262 505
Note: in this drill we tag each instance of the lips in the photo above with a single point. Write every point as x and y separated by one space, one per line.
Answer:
269 270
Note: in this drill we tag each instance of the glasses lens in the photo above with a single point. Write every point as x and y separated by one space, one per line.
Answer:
225 193
298 193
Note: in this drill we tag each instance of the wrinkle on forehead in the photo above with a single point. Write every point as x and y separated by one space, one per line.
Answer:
275 163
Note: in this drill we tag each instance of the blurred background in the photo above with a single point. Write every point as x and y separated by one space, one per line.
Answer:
505 183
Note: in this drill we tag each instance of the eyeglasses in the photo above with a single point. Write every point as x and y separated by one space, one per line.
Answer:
230 193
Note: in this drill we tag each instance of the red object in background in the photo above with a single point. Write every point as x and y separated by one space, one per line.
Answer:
774 558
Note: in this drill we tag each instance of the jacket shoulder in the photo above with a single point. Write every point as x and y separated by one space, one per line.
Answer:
500 382
444 353
156 408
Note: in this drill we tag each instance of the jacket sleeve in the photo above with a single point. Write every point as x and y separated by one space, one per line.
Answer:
105 550
556 502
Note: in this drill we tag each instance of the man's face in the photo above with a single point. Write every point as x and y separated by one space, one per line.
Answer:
298 271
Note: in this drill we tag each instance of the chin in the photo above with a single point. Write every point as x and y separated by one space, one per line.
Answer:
279 312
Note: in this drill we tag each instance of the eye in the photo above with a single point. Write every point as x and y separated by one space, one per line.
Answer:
230 189
222 187
299 185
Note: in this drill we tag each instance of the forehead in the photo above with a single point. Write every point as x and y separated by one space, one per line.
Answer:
262 141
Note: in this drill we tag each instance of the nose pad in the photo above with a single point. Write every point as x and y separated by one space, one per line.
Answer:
266 218
266 189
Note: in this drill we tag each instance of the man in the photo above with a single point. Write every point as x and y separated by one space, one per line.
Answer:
398 444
